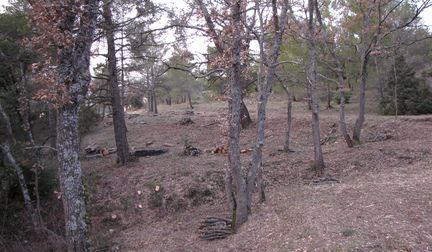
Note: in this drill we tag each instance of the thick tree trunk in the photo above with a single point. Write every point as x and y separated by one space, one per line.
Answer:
71 178
362 96
154 99
116 101
190 100
240 214
312 83
150 102
74 74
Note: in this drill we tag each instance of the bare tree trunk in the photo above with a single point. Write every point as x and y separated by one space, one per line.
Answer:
229 190
314 101
52 124
341 82
380 79
244 115
190 100
154 99
264 91
362 96
241 212
118 111
342 120
329 97
150 101
364 58
395 99
286 146
73 72
70 174
8 156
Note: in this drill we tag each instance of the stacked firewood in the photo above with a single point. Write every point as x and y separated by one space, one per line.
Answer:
213 228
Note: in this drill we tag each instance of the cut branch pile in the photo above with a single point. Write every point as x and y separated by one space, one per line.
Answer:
214 228
186 121
95 151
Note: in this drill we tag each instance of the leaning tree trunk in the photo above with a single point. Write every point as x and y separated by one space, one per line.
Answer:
264 91
342 120
314 101
341 81
5 147
244 115
116 101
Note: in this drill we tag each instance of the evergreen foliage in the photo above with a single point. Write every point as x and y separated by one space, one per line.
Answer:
412 98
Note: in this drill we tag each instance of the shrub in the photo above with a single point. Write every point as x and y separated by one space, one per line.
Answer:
136 102
88 117
337 98
412 99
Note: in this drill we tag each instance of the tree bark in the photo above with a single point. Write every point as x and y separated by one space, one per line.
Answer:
362 96
264 88
244 115
53 126
74 74
341 81
5 147
286 146
365 50
314 100
190 100
379 79
240 214
118 111
154 99
71 178
342 120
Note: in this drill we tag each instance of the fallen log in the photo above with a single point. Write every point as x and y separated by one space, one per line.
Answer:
149 152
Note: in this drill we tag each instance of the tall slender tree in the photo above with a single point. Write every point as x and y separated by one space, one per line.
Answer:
312 86
116 100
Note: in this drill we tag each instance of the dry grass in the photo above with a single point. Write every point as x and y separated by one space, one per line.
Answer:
383 201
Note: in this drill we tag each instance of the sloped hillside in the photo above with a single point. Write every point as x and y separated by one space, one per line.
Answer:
378 196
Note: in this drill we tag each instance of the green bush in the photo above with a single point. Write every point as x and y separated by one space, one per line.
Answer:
136 102
88 117
411 98
337 97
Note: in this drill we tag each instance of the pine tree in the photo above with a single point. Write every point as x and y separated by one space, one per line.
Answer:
411 97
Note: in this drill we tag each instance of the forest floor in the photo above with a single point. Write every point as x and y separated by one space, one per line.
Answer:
382 200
